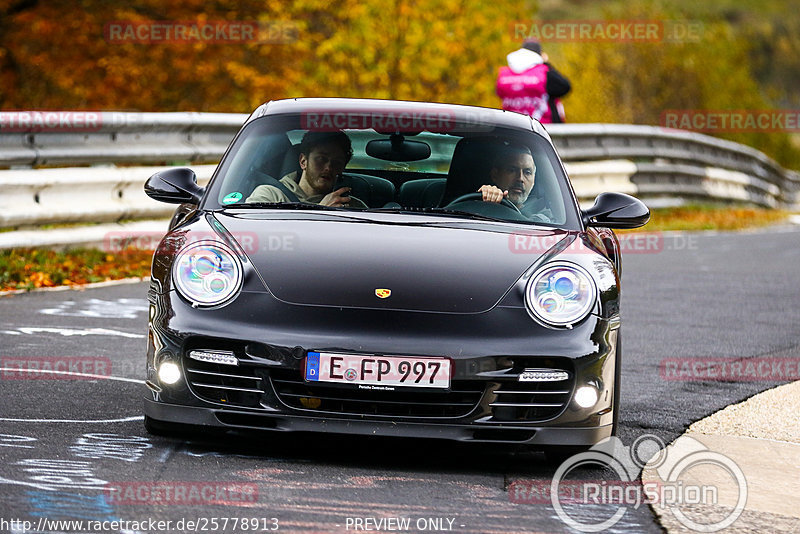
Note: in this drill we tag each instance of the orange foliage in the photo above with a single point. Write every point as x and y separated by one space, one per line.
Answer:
32 268
60 55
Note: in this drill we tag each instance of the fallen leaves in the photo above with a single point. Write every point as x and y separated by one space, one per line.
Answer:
36 268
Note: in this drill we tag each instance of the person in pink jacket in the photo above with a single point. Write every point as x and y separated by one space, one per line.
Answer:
530 85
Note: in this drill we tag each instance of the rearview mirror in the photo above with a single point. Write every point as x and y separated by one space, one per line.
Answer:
617 210
174 186
397 148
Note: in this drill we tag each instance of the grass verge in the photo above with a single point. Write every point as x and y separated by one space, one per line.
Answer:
694 217
34 268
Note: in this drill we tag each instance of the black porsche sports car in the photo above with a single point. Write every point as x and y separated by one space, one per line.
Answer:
388 268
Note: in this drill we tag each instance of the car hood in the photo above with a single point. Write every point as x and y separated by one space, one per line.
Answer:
430 264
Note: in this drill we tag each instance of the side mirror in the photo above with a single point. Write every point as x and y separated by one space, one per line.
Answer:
174 186
617 210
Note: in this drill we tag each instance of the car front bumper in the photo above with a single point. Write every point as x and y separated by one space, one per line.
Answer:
487 400
246 420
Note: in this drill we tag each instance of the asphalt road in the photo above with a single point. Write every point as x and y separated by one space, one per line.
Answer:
74 448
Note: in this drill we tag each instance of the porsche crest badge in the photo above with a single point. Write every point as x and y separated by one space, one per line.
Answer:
382 293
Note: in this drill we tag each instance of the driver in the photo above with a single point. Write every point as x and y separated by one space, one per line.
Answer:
512 176
323 158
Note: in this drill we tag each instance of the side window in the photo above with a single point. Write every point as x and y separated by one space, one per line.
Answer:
546 197
259 157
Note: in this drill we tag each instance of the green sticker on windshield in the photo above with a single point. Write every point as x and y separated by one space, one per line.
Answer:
232 198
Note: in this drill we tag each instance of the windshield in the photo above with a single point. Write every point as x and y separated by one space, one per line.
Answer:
373 163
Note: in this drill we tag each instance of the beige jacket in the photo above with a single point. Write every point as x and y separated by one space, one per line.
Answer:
270 193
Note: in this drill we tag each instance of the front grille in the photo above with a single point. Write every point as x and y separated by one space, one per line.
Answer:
235 385
461 399
530 401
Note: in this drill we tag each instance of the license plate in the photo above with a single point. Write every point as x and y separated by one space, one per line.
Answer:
377 370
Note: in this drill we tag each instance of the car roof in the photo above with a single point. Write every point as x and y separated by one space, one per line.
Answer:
495 117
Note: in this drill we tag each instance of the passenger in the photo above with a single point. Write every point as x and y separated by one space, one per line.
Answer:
512 176
323 158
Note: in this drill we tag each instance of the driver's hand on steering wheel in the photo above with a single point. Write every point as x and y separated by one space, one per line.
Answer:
492 193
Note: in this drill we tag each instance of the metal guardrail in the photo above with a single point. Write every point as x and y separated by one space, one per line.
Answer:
34 191
659 165
38 139
81 195
680 164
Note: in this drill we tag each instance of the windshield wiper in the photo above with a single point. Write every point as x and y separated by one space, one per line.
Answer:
304 206
471 215
281 205
440 211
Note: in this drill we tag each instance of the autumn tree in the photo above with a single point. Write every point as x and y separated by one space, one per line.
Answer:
636 82
57 54
439 50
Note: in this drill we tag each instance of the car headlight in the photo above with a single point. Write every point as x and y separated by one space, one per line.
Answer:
560 294
207 273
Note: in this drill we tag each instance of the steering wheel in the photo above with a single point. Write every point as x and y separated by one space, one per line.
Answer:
479 196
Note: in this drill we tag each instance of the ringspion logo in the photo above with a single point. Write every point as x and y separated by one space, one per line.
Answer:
680 487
